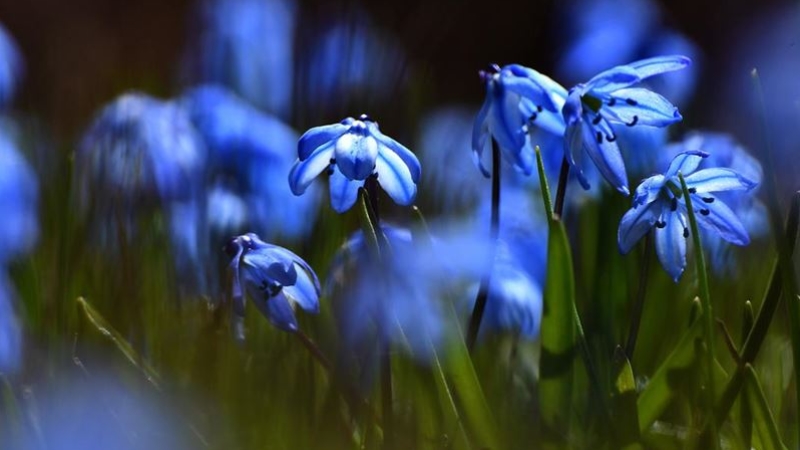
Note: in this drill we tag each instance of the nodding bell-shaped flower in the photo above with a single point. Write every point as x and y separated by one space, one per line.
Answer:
352 151
516 98
592 109
274 278
659 202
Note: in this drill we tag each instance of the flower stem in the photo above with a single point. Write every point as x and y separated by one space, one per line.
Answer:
638 306
494 232
705 298
315 351
561 190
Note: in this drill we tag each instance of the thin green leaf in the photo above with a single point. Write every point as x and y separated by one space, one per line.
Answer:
763 420
543 186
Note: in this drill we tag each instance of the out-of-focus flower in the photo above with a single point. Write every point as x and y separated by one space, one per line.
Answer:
608 98
274 278
250 154
247 45
351 60
599 34
516 97
514 303
18 202
352 151
659 202
10 332
11 67
724 151
139 151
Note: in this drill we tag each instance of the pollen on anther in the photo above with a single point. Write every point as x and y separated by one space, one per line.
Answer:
612 102
597 119
708 199
685 232
631 101
599 137
633 121
705 212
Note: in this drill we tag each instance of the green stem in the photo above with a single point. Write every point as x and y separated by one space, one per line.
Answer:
561 190
494 232
705 298
638 306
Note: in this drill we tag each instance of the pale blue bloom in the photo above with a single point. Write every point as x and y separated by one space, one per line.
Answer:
248 46
517 97
11 67
274 278
250 154
10 331
351 151
659 202
19 194
609 98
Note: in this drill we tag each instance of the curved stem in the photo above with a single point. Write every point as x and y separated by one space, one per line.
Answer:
561 190
638 306
494 232
315 351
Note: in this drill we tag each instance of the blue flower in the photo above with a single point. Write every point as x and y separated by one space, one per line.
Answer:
274 278
352 151
658 202
516 97
608 98
10 332
19 195
250 154
248 46
11 67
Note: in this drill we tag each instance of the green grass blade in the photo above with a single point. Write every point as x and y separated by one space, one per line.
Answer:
763 420
543 186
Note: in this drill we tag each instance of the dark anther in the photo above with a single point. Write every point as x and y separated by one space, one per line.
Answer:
599 137
597 119
673 206
660 224
708 199
611 138
705 212
533 117
685 232
539 108
631 101
333 161
330 170
612 102
375 175
692 190
633 122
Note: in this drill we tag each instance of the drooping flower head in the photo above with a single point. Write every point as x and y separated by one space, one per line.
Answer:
274 278
659 202
592 109
516 98
18 202
250 153
352 151
11 67
248 46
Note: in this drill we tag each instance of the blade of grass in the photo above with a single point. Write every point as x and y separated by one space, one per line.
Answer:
763 419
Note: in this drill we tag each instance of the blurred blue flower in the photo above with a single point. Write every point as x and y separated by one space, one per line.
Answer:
19 194
516 98
11 67
352 151
658 202
10 332
351 60
274 278
599 34
250 154
724 151
248 46
607 98
140 151
515 298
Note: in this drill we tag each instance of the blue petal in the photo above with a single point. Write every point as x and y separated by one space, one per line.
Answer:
671 245
649 190
718 179
408 157
639 106
344 192
525 82
685 163
267 266
515 301
316 137
611 80
278 311
573 144
660 64
606 156
395 178
355 155
552 122
721 220
635 224
305 291
480 132
505 119
304 172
